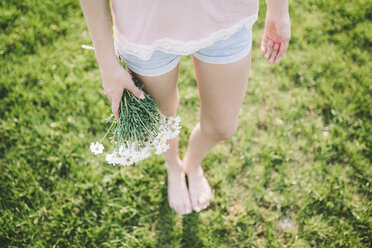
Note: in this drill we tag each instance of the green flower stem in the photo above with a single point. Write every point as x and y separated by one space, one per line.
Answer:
112 124
139 119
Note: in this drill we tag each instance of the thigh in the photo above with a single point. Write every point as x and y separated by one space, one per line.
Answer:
222 88
222 72
163 89
159 75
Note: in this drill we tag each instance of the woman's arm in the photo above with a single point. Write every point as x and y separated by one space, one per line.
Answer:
277 30
114 77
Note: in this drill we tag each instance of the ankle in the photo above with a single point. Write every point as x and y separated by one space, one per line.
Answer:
189 161
195 170
172 160
192 168
173 165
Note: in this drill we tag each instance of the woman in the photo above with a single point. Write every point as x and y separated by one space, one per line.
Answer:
151 36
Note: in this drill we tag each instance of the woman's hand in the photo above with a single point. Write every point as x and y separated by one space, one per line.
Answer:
114 77
276 36
114 80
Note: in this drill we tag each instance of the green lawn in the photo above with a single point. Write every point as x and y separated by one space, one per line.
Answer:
297 173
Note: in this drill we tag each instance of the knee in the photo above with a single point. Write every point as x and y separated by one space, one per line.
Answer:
169 107
219 131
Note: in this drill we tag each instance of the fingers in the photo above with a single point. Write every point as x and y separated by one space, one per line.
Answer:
263 44
274 53
116 98
115 108
282 50
274 47
270 45
136 92
116 101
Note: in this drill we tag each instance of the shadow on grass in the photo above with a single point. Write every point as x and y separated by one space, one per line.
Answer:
190 231
166 221
168 233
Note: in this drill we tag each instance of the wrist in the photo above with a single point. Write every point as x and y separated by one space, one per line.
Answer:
278 17
109 67
277 8
106 58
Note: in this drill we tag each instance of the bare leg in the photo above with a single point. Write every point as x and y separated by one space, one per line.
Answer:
164 91
222 89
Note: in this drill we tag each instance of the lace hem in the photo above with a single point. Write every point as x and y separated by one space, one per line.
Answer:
176 46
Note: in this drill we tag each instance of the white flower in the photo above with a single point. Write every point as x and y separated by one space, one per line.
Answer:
160 138
127 152
146 154
174 120
112 158
161 133
141 154
125 161
162 148
96 148
124 151
173 134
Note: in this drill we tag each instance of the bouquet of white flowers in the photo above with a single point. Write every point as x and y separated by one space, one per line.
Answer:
140 130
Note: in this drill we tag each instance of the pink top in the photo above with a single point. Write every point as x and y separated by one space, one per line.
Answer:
177 26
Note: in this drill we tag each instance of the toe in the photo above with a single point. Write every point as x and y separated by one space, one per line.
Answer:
198 202
206 204
202 203
203 199
183 209
187 208
206 200
180 209
196 207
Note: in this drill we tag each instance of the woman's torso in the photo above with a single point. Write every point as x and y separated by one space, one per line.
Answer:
181 26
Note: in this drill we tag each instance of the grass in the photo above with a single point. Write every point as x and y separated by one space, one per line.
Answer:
296 174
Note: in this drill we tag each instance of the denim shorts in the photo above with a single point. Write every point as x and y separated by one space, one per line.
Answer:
224 51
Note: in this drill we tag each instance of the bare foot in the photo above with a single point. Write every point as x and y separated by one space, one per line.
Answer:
178 195
199 189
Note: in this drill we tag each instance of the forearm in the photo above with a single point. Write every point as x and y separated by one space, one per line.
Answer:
98 18
277 7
